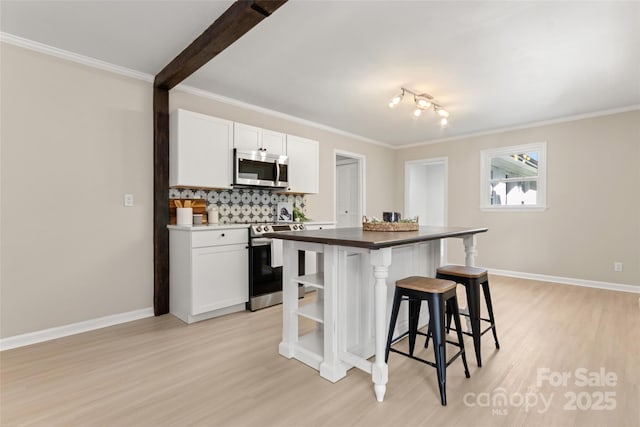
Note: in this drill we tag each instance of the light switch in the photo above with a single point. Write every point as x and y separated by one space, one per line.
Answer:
128 200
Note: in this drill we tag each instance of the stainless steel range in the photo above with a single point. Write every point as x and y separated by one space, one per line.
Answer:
265 265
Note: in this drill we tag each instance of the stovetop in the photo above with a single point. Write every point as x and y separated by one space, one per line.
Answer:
259 229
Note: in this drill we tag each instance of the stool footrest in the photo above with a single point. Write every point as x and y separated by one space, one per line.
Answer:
482 318
427 362
465 332
406 334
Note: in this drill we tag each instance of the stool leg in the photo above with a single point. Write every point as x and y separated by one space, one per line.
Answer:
397 299
473 301
436 312
426 341
456 318
414 315
487 299
449 314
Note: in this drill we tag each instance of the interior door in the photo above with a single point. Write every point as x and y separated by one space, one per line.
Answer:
347 195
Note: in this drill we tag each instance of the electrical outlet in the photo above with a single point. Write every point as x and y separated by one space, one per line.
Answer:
617 266
128 200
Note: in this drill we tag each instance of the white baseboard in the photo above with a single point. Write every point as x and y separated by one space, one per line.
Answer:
74 328
568 281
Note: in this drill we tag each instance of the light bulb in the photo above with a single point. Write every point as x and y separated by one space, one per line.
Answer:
443 113
417 112
443 121
396 100
423 103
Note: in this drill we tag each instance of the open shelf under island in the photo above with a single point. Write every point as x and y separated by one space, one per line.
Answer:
351 309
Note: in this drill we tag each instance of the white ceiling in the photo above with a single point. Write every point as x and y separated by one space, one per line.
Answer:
493 65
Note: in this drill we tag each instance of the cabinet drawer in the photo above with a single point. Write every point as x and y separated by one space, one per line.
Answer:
201 239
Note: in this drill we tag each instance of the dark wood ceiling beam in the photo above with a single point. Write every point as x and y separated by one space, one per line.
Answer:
235 22
241 17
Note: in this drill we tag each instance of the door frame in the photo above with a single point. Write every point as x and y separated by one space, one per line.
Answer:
361 161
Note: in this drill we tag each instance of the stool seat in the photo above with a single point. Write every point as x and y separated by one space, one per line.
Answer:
462 271
426 284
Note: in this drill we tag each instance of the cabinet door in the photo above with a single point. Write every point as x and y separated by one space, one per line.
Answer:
220 277
200 150
274 142
303 165
246 138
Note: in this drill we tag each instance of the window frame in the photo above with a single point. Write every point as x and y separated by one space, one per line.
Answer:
485 177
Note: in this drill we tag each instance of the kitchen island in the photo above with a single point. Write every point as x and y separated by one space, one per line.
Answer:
351 308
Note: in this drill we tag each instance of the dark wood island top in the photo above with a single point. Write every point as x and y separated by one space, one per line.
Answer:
356 237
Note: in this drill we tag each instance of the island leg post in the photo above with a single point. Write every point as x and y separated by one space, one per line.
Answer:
470 250
381 260
289 301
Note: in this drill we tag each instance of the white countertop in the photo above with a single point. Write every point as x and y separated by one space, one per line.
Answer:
209 227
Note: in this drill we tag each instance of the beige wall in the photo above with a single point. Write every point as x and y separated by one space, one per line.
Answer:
380 176
74 140
593 189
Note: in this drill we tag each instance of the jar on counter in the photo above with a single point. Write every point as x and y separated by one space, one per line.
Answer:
213 216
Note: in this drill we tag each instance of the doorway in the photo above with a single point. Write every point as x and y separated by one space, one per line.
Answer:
349 188
425 194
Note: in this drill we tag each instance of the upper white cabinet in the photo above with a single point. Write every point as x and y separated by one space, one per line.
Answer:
304 157
251 138
200 150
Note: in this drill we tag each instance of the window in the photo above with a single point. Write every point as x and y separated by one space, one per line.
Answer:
514 178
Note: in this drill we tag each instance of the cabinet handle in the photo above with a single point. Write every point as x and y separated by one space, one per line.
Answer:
222 234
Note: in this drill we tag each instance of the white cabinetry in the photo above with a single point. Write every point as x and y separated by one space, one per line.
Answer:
208 272
251 138
304 157
200 150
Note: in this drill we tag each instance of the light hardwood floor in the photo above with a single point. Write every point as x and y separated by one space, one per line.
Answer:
227 372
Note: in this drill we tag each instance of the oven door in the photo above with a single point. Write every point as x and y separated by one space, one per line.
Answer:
265 281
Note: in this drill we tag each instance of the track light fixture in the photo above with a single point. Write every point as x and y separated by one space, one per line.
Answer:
422 102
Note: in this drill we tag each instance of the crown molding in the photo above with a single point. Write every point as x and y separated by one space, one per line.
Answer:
565 119
73 57
106 66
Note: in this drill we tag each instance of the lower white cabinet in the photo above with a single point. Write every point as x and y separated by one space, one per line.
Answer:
209 272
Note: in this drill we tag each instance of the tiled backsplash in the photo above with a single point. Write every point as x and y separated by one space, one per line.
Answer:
242 205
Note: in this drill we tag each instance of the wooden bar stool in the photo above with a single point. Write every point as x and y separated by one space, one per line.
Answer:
472 278
441 297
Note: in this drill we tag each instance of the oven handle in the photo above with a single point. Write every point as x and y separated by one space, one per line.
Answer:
261 241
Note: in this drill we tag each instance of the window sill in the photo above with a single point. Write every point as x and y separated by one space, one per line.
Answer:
513 208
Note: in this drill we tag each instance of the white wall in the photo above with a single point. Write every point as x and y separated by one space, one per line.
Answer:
426 193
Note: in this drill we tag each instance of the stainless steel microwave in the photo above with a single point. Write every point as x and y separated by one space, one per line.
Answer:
260 169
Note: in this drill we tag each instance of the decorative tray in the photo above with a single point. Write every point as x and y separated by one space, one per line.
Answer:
402 225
